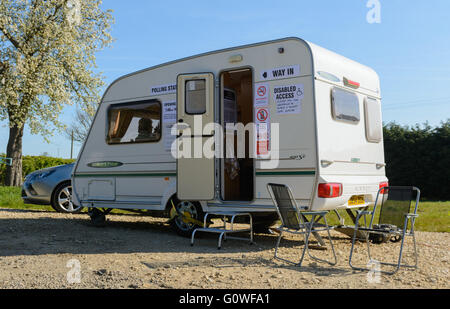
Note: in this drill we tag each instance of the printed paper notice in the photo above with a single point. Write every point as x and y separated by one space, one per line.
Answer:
262 120
262 139
288 98
169 119
170 111
261 94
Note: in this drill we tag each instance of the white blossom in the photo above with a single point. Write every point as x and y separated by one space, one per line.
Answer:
47 59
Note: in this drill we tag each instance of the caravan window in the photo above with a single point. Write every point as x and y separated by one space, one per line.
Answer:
138 122
374 126
196 97
345 106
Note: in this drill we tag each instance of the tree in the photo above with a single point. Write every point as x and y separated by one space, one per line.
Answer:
47 58
81 124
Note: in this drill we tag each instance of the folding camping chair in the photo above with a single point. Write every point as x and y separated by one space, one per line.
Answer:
393 222
293 220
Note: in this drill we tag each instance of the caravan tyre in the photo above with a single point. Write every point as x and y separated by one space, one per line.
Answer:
192 210
98 216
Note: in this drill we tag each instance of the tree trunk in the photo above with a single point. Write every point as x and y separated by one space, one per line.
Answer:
14 151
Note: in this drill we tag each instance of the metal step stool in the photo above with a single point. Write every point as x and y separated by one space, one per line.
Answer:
223 230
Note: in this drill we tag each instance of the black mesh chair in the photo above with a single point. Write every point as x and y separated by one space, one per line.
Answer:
294 220
395 222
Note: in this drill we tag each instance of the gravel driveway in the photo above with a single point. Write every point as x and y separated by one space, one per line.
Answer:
50 250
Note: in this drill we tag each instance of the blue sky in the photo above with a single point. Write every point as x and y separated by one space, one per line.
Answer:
410 48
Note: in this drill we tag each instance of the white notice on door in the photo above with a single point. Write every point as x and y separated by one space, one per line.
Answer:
288 98
169 119
261 94
170 111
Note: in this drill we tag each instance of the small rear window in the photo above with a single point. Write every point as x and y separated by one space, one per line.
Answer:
374 126
196 97
345 106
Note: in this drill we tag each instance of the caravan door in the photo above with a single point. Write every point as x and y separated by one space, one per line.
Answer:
195 110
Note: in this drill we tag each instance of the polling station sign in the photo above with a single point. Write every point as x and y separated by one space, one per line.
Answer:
288 98
163 89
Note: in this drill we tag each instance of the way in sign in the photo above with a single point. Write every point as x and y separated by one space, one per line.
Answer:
283 72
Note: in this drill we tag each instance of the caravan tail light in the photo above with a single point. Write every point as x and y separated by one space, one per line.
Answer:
330 190
384 184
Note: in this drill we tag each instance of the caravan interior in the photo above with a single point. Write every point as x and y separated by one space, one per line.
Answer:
237 107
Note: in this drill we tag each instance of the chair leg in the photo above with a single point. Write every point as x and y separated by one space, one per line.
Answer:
276 251
416 257
400 254
219 246
278 244
331 244
396 265
306 244
353 246
192 237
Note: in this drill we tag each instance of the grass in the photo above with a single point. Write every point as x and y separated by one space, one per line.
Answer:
433 216
10 197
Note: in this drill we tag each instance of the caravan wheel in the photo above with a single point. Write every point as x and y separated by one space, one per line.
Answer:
186 210
98 216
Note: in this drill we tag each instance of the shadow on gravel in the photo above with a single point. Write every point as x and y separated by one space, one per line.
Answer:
249 262
53 233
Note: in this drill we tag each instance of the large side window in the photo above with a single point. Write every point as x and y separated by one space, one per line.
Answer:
345 106
374 126
135 122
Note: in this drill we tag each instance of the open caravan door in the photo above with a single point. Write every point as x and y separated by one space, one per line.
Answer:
195 169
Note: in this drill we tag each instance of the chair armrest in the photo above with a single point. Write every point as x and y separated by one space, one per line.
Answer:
363 212
310 213
412 215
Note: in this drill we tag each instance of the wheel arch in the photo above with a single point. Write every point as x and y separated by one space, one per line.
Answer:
171 192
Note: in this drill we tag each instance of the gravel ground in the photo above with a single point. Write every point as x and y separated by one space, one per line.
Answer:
46 250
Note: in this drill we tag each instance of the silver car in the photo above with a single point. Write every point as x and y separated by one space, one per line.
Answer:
51 186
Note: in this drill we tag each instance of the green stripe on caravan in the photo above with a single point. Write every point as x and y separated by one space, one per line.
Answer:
128 175
302 173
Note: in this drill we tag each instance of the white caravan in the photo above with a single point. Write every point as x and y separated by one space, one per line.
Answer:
320 113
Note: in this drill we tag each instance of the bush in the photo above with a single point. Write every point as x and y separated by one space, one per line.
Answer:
419 156
34 163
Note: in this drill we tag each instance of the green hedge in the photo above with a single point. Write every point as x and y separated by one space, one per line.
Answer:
34 163
419 156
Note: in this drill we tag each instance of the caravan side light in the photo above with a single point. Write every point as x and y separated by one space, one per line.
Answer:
384 185
330 190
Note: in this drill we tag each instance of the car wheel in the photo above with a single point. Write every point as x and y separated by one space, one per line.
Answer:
62 199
